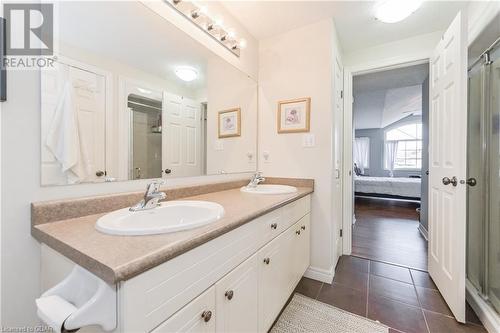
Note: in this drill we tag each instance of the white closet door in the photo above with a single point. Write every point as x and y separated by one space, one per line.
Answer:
447 166
90 96
181 136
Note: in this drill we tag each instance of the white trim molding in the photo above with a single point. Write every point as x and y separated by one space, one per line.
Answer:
488 316
320 274
423 231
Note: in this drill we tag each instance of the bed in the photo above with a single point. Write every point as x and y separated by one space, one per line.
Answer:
393 187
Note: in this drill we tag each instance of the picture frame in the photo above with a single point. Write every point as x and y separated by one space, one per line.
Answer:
229 123
294 116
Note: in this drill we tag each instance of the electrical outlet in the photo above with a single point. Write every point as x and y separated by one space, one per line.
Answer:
267 156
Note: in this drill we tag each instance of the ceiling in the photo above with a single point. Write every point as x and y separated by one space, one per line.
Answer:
356 26
385 97
394 78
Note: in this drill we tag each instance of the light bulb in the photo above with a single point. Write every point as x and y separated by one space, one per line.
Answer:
243 43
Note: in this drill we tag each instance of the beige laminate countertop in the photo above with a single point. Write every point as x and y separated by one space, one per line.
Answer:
119 258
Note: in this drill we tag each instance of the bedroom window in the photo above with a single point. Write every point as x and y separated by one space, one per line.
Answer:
406 144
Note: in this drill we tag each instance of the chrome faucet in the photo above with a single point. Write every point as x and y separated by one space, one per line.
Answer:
151 198
256 179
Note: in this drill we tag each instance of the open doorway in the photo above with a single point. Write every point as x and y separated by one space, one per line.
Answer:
390 121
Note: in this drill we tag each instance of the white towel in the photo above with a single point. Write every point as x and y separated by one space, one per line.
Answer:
64 140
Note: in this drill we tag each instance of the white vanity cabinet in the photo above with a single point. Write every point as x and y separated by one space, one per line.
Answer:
236 282
250 297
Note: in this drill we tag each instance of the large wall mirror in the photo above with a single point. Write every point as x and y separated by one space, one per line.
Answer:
133 97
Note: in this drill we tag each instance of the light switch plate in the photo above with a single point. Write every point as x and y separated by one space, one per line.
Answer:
219 145
308 140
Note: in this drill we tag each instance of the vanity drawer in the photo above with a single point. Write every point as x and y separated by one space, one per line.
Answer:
296 210
197 316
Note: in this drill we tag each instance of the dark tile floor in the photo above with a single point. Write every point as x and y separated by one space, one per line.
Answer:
404 299
387 230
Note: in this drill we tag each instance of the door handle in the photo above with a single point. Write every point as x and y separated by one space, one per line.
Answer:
471 181
229 294
448 181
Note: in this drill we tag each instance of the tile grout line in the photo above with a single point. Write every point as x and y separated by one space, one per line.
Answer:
418 299
368 288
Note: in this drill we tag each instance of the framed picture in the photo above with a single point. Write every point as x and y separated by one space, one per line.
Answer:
294 115
229 123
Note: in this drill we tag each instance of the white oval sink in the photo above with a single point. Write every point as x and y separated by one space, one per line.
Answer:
269 189
170 216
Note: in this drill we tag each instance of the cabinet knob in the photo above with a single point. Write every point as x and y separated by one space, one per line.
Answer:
274 226
206 315
297 232
267 261
303 227
229 294
99 173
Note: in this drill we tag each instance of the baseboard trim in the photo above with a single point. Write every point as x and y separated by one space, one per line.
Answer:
320 274
488 316
423 232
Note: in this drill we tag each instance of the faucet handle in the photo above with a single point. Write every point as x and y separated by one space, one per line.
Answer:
154 186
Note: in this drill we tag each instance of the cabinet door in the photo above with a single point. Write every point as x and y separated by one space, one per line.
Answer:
197 316
302 253
237 298
274 277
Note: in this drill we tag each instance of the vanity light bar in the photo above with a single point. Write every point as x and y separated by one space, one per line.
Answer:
211 27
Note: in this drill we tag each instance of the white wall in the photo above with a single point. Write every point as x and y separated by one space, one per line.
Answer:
20 146
414 48
228 89
479 14
298 64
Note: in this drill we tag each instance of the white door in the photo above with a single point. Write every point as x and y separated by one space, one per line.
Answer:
337 154
447 166
89 101
181 137
237 298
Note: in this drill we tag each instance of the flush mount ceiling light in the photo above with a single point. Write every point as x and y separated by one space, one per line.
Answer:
144 91
187 74
392 11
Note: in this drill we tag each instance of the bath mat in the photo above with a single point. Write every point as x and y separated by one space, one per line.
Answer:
304 314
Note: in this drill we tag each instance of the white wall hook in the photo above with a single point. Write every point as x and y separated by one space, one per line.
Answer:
81 299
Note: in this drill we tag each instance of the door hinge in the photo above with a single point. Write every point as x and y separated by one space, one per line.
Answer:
341 94
340 232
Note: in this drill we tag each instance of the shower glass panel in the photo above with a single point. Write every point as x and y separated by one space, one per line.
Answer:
145 137
475 166
494 185
483 199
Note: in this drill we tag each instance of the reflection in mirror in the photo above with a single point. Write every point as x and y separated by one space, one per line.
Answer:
145 137
133 97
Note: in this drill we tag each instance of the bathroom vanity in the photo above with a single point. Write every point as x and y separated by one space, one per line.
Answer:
235 274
